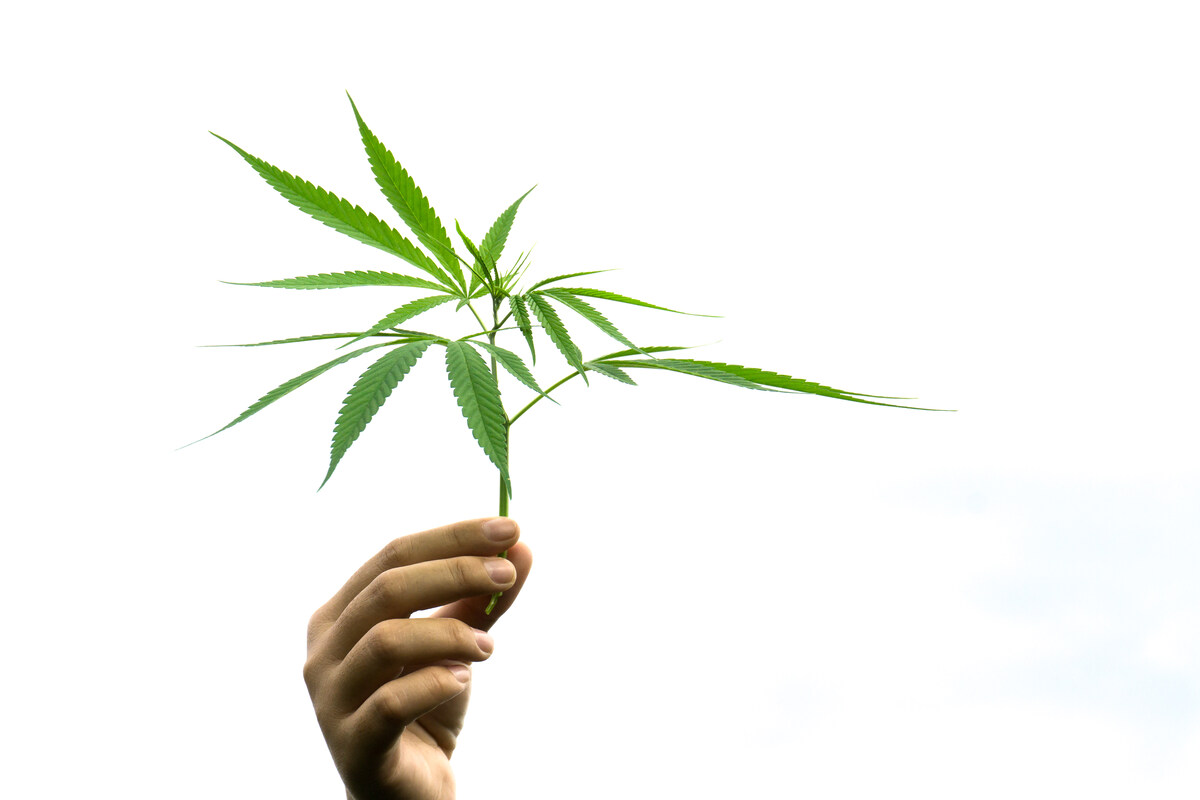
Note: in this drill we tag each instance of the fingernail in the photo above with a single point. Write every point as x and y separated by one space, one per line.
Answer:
486 643
500 570
500 529
461 672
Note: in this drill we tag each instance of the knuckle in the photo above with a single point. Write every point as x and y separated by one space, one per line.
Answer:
398 552
459 636
311 672
386 642
389 588
461 572
393 706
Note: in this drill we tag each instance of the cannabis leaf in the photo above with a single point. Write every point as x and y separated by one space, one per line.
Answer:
341 280
589 313
493 241
478 395
554 328
515 366
408 200
295 383
366 397
341 215
521 315
402 314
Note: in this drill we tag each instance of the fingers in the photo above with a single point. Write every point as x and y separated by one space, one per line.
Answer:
470 537
392 645
470 609
378 723
399 592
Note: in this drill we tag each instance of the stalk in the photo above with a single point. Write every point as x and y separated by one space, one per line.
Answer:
503 511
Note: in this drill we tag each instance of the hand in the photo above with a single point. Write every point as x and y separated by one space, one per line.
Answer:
391 692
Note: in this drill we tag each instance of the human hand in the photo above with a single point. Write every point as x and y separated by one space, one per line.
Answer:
391 692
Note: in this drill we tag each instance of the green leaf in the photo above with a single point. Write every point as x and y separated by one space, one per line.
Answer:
618 298
557 332
295 383
701 369
493 241
568 275
479 397
408 200
521 315
479 271
342 216
515 366
403 313
292 340
366 397
341 280
589 313
654 349
752 378
616 373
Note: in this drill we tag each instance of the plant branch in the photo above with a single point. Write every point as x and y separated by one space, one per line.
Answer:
540 396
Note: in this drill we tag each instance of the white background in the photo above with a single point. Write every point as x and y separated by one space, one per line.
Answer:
991 207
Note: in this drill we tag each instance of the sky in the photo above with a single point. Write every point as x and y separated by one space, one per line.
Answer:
987 207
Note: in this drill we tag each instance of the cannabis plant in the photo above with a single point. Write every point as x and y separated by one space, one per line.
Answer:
472 361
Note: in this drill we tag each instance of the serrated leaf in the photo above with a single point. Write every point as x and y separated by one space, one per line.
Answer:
367 396
407 199
287 387
521 316
701 369
554 328
616 373
293 340
515 366
620 298
341 280
479 397
753 378
496 237
589 313
342 216
653 349
479 272
402 314
568 275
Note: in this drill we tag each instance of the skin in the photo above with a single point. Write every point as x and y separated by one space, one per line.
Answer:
384 685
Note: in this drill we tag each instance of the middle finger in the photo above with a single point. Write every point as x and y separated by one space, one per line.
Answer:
398 593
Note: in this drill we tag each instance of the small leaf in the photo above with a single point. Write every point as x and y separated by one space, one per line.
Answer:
479 397
557 332
618 298
701 369
292 340
493 242
654 349
295 383
589 313
752 378
515 366
342 216
616 373
367 396
569 275
521 315
408 200
341 280
403 313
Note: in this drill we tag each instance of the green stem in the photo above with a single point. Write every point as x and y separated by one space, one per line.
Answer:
540 396
503 512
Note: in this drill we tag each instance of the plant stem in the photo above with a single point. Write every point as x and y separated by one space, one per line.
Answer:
540 396
503 511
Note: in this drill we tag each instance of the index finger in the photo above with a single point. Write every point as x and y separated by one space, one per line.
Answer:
485 536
